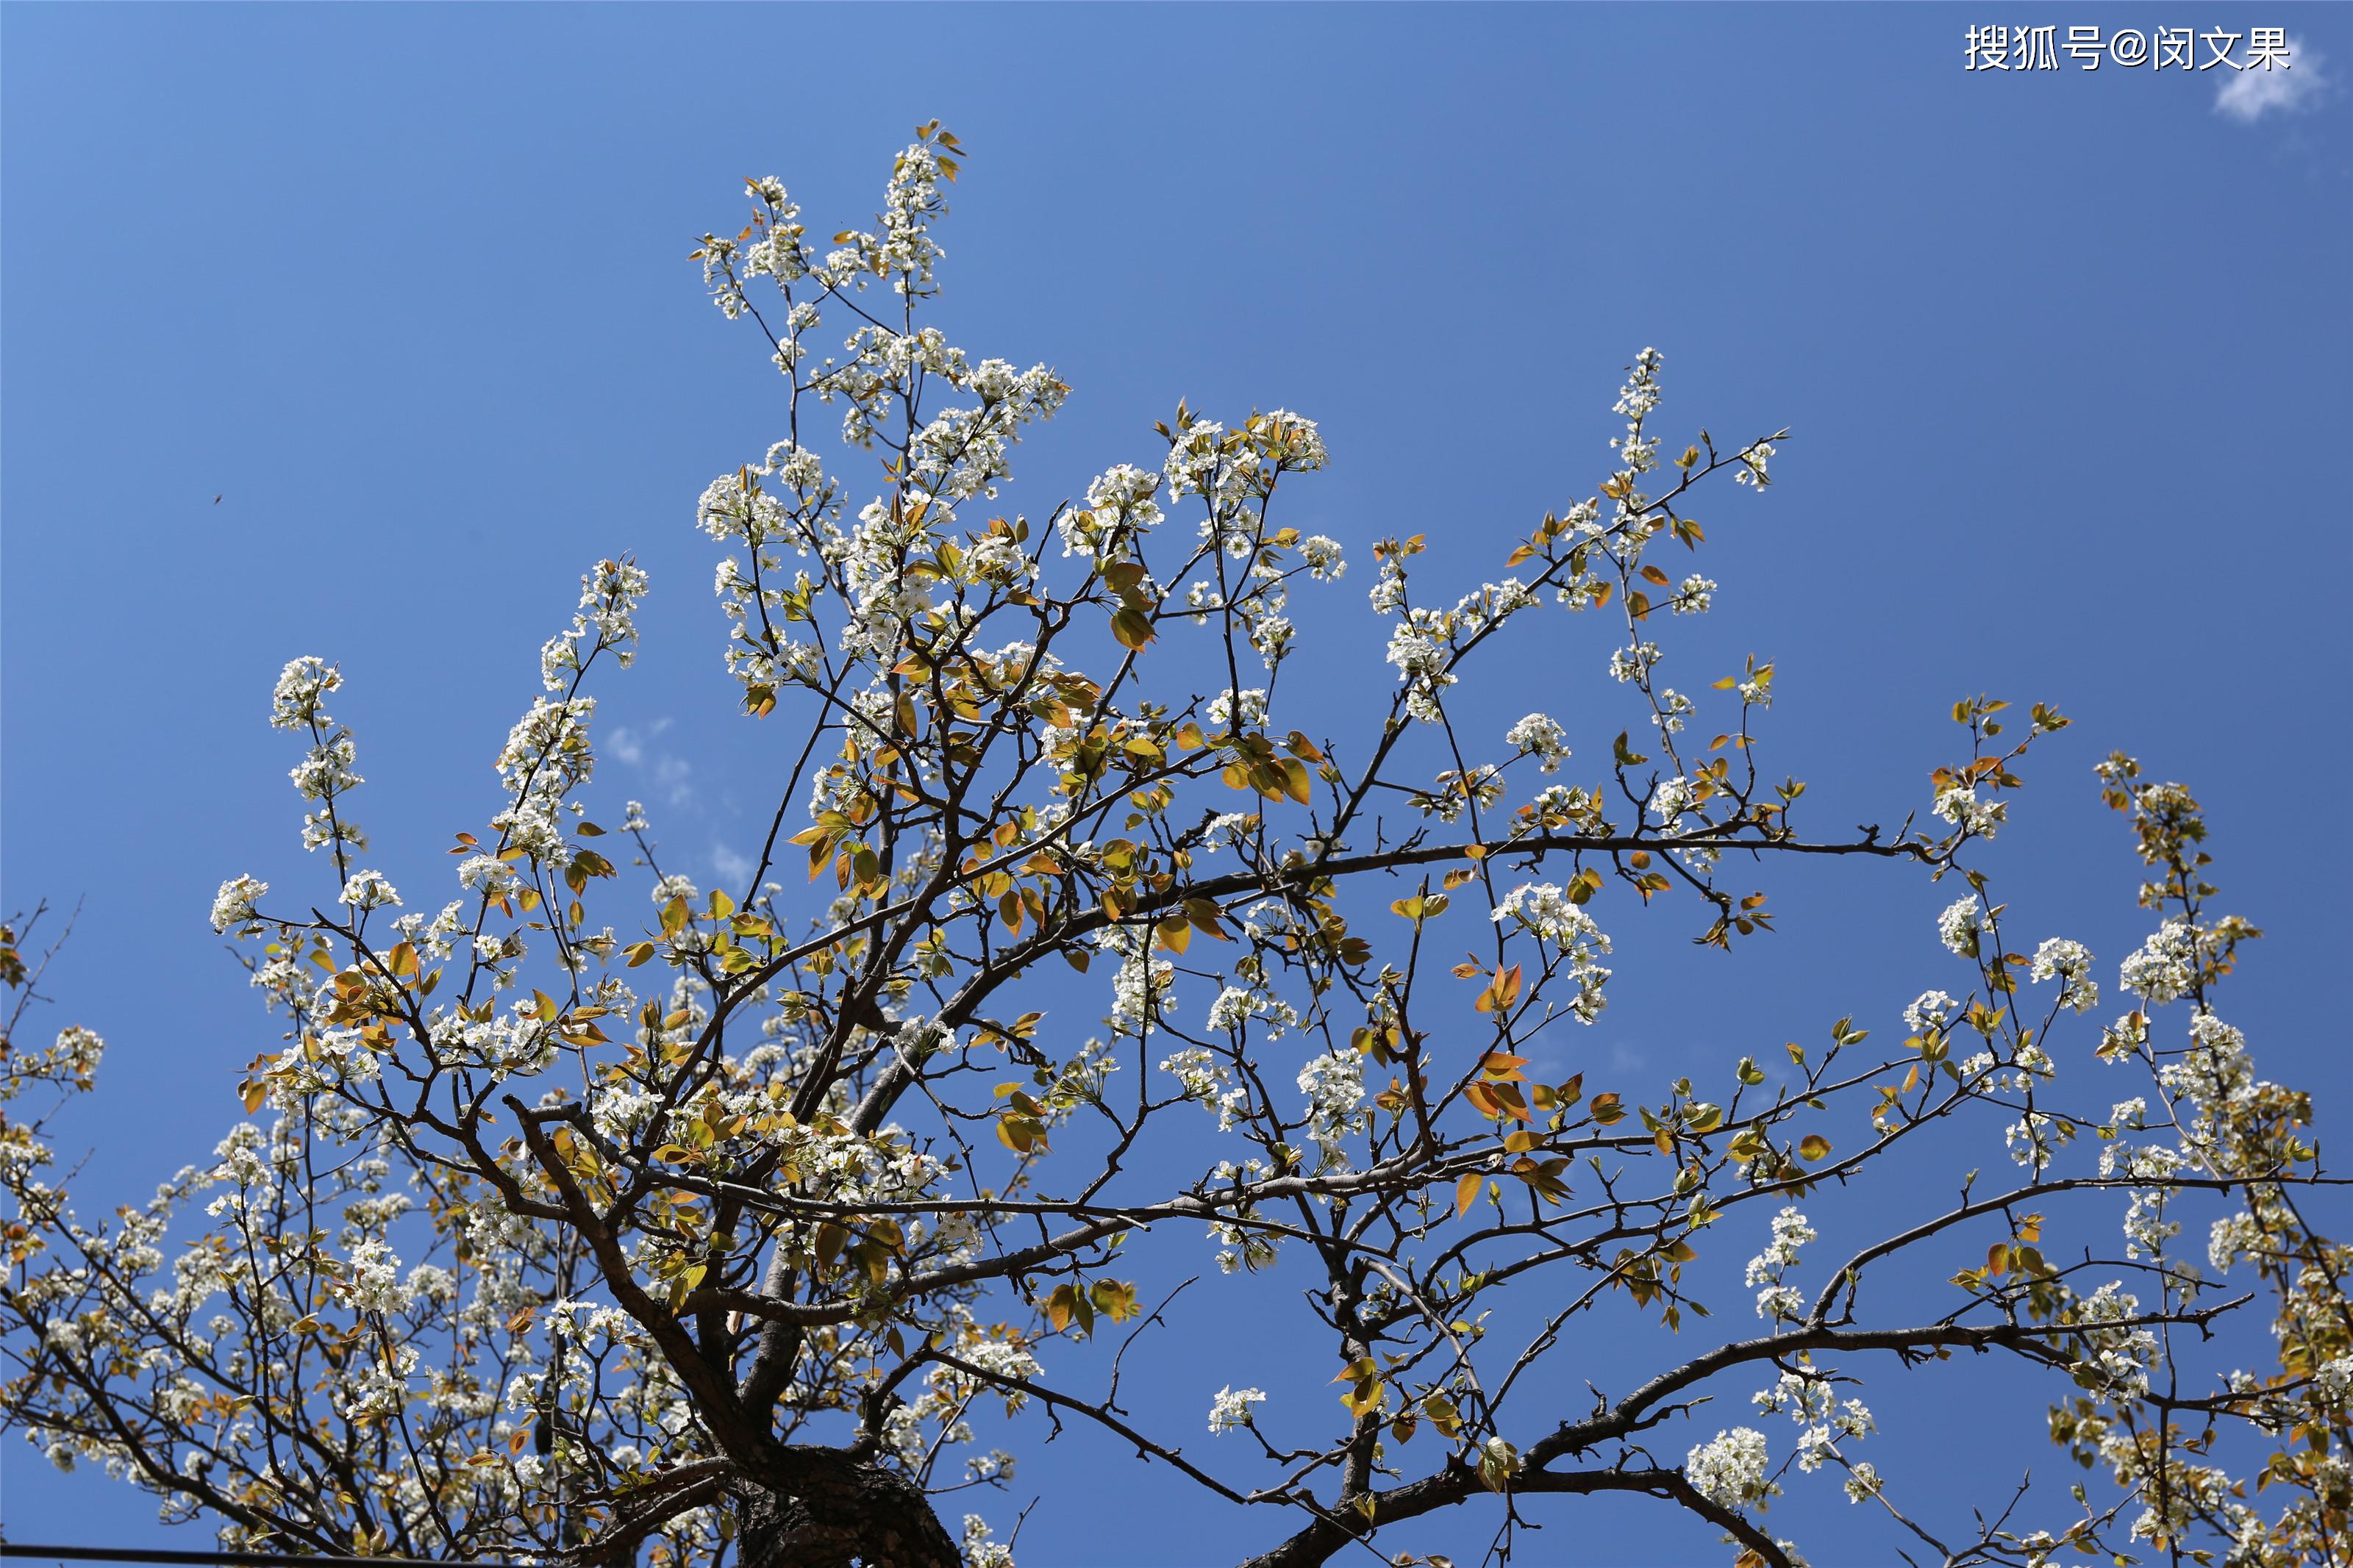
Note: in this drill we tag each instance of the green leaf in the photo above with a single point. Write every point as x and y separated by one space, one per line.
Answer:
1132 627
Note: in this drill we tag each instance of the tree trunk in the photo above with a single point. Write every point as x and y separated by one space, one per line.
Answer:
1310 1548
832 1511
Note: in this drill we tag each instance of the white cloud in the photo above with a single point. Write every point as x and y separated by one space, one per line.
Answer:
669 773
2250 95
671 776
733 868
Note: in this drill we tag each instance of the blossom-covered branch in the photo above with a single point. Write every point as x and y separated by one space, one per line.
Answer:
589 1215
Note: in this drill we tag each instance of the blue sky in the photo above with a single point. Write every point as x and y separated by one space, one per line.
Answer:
2068 357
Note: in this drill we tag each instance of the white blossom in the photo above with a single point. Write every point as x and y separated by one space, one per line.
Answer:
1776 1301
1729 1470
367 891
2034 1139
2164 969
1957 926
1334 1087
1674 711
1960 806
1234 1408
233 905
1633 663
1929 1010
1322 558
1670 798
1544 912
488 875
980 1551
1695 597
1249 714
2069 962
1120 508
294 703
1540 738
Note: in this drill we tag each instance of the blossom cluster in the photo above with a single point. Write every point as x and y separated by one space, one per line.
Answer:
1545 912
1731 1468
1778 1301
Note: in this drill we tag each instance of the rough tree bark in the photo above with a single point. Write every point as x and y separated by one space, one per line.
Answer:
830 1511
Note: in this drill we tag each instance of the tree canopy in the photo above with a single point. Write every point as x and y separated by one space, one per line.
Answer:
726 1227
